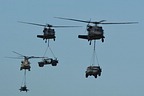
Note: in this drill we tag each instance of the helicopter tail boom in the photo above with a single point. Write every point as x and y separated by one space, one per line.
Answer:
90 37
46 37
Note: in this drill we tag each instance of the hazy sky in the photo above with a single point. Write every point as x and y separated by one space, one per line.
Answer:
120 56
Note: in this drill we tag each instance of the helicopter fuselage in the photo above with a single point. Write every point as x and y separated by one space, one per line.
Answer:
97 30
48 33
94 33
25 65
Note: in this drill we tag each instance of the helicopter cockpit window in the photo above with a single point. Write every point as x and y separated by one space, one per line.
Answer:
48 31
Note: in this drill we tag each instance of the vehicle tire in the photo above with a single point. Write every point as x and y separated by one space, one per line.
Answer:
41 65
99 74
102 39
54 64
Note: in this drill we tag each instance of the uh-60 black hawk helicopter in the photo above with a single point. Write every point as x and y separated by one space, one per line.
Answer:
48 31
25 64
95 32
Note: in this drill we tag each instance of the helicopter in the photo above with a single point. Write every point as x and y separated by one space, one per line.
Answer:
46 61
48 31
95 32
25 64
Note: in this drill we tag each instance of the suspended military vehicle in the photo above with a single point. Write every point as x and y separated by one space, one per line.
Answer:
47 61
93 69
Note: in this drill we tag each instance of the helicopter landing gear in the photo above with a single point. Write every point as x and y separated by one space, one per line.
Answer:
45 41
102 39
90 43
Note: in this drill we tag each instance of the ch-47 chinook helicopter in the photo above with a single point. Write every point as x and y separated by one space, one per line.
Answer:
95 32
48 31
25 64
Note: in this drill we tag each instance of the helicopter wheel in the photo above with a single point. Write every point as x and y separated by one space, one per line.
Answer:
102 39
90 43
86 75
95 76
45 41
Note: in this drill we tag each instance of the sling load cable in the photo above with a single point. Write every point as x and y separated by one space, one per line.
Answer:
46 49
94 55
50 51
24 79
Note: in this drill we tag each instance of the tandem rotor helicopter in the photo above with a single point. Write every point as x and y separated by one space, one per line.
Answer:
95 32
48 31
25 64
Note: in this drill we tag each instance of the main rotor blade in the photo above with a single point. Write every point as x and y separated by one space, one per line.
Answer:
32 23
34 57
81 20
73 19
47 25
65 26
18 54
102 21
15 57
121 23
